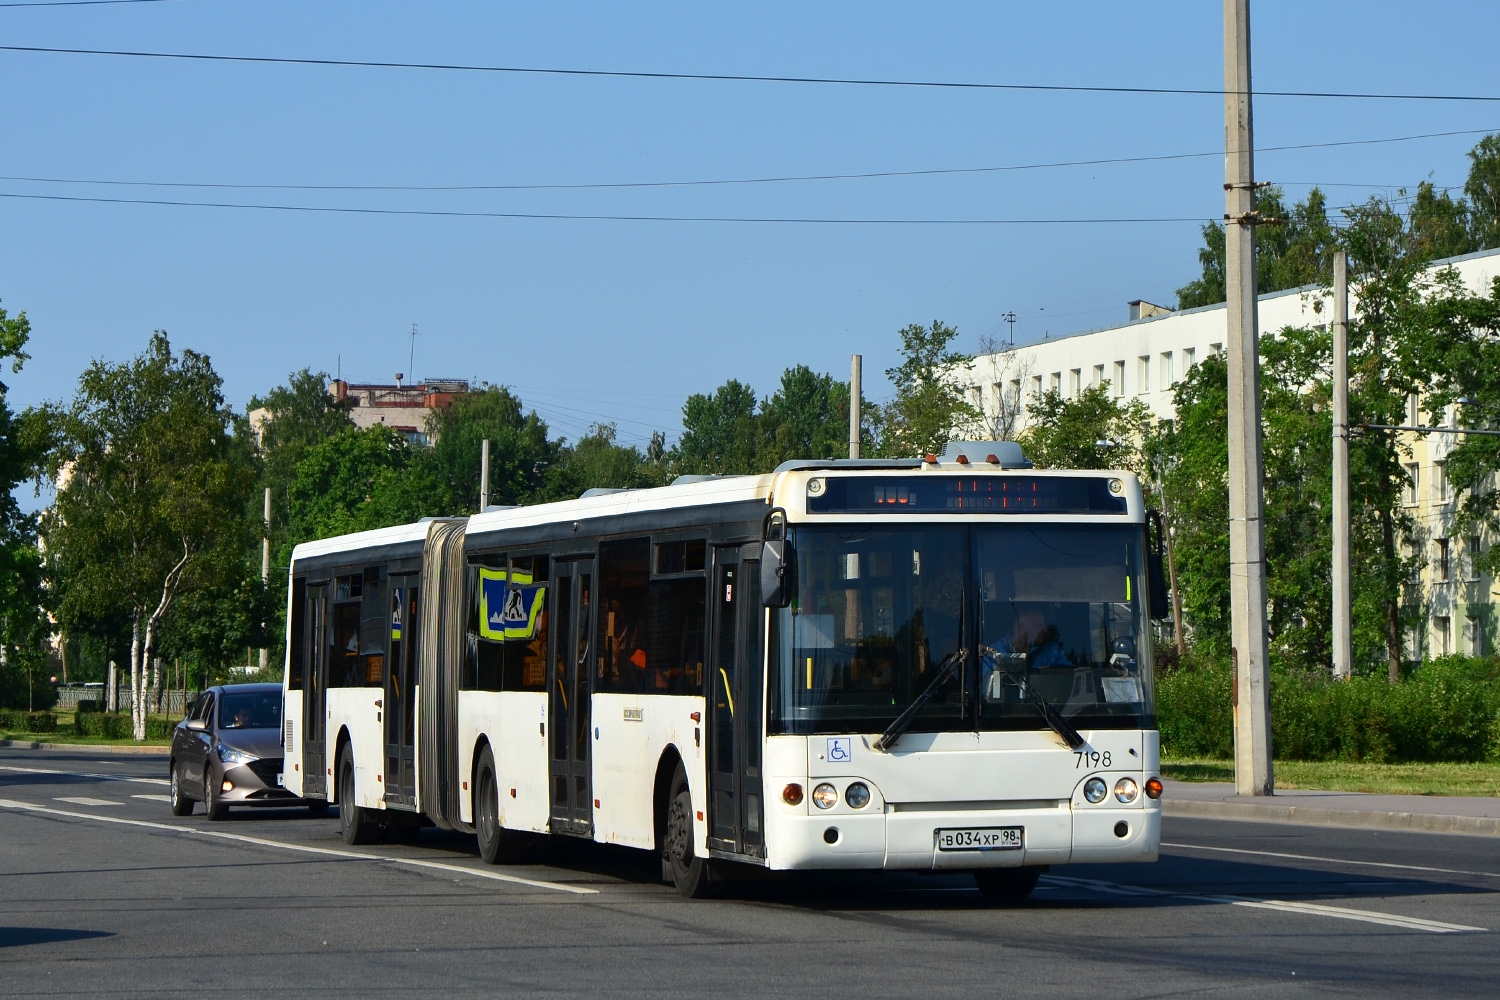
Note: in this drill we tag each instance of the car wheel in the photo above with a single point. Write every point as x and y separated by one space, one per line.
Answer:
497 845
357 825
1001 885
689 872
215 808
181 804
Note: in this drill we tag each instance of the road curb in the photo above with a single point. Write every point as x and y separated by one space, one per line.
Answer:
1266 812
90 747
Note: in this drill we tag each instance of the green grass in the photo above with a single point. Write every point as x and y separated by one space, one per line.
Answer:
1336 776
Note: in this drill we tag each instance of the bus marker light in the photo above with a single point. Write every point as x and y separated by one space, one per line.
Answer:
825 796
596 803
512 793
792 794
1153 788
696 716
1095 789
1126 790
700 815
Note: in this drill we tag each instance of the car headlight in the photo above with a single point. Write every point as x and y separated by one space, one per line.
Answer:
1095 789
825 796
857 795
1126 790
229 755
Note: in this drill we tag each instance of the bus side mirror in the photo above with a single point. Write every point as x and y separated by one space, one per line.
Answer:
1158 602
776 573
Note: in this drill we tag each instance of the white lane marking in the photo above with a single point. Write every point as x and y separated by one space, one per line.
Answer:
262 842
1333 861
84 800
153 797
86 774
1285 906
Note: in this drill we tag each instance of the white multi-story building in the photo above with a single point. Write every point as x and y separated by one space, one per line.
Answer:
1146 356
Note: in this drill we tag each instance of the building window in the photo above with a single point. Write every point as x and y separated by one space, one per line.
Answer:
1440 560
1057 382
1098 375
1119 378
1440 635
1167 376
1473 643
1188 356
1036 385
1216 348
1015 394
1413 484
1440 481
1471 557
1145 374
1413 409
1075 383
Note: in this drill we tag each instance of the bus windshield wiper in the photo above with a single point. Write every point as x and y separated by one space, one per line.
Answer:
1055 722
903 721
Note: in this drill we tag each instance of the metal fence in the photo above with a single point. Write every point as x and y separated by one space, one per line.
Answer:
170 703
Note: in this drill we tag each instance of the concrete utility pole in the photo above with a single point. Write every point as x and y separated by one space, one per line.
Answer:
484 475
854 401
1247 542
1343 619
265 570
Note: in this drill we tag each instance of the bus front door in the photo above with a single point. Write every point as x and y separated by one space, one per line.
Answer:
734 695
568 688
400 707
314 712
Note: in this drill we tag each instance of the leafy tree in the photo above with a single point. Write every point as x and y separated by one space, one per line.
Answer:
520 451
1440 226
23 624
721 432
807 417
151 500
1094 431
359 479
598 461
931 393
1295 249
1483 190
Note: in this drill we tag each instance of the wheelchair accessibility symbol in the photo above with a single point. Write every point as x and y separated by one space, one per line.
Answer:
839 749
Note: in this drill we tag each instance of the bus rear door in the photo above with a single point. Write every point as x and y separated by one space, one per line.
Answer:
568 697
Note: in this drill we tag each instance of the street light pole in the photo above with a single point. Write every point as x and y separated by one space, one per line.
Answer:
855 417
1343 622
1247 544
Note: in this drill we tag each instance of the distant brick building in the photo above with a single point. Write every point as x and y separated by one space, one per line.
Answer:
403 408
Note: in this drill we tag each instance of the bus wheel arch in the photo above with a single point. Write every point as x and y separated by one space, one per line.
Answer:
661 798
497 845
339 745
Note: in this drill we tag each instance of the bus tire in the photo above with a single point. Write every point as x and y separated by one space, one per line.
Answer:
356 824
497 845
1007 885
689 872
181 804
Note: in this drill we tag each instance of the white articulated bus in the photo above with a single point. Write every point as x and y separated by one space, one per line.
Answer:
927 664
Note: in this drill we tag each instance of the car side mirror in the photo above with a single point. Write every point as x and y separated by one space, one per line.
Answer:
1158 603
197 725
777 562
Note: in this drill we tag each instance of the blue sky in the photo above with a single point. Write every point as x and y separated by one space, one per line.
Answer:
619 321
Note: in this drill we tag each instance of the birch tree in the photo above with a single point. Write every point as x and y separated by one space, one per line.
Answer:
151 496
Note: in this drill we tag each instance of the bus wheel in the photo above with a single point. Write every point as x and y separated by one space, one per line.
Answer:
497 845
1000 885
356 824
689 872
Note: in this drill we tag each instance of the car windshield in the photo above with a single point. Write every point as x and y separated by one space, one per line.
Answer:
1038 611
250 710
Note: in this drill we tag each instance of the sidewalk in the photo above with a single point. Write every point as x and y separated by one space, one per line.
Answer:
1421 813
99 748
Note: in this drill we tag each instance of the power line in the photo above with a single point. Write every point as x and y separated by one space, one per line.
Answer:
597 218
82 3
936 171
734 77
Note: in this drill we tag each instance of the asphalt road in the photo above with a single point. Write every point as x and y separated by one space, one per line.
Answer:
104 893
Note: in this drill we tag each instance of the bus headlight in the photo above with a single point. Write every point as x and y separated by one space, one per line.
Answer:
1095 789
1126 790
857 795
825 796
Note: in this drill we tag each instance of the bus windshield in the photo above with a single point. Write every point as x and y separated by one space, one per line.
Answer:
1039 612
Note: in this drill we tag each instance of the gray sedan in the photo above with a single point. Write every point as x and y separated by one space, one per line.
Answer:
228 752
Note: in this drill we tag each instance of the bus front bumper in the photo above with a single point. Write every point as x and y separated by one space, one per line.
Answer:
931 839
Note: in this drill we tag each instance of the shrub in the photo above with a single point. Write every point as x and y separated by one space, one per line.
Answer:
28 722
111 726
1194 713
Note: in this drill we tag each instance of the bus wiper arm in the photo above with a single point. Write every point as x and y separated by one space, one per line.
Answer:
904 720
1055 722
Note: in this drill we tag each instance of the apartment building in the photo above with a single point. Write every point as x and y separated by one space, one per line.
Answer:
1147 355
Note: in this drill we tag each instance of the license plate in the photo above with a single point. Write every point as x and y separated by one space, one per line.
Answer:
279 781
988 838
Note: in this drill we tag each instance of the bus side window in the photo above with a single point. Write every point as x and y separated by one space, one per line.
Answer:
622 657
297 635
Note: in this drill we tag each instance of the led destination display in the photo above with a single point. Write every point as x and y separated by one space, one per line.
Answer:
983 494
